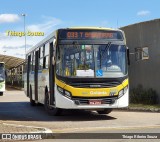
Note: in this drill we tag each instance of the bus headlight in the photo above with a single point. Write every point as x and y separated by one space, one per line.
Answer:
122 92
60 89
125 89
64 92
67 94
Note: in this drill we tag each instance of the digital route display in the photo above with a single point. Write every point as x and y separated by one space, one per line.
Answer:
89 34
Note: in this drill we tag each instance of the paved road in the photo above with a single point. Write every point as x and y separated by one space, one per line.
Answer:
15 109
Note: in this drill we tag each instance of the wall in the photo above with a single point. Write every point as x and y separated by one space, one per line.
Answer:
146 72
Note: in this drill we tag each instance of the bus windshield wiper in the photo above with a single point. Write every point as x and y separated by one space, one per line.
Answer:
102 55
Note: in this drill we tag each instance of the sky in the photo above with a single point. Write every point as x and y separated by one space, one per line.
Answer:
49 15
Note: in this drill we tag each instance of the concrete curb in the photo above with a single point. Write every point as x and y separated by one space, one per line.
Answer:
39 129
139 109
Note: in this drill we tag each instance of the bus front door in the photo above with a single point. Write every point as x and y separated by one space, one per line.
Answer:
36 75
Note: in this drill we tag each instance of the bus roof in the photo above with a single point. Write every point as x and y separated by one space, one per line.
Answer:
70 28
94 28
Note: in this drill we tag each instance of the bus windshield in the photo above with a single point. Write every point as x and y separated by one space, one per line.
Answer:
107 61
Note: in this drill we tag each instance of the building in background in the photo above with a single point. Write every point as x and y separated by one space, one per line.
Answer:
146 72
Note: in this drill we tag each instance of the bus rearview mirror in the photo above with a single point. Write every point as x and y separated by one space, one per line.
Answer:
54 41
53 60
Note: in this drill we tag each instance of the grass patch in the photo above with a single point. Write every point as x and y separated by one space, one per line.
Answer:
144 106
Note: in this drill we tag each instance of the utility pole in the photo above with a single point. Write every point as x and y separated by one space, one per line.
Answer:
24 15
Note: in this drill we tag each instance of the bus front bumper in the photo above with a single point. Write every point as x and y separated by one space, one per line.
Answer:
66 103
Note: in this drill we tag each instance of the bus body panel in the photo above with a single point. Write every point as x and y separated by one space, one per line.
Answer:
124 100
64 102
31 80
43 81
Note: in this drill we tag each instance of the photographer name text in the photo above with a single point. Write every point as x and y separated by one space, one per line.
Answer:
20 34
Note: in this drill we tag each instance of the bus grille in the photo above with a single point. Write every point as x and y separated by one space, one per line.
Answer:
82 101
95 85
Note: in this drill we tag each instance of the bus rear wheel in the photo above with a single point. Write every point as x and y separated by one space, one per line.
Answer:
53 111
1 93
105 111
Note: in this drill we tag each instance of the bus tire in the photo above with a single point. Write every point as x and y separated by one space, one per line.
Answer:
105 111
32 102
1 93
51 110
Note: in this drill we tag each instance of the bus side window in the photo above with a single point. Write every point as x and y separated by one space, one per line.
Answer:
46 55
41 54
46 49
41 64
45 62
33 61
58 54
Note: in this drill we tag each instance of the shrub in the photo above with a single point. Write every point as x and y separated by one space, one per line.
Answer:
139 95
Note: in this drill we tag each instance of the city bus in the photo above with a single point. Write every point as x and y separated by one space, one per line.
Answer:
79 68
2 78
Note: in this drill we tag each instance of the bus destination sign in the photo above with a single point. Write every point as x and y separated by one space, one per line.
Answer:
87 34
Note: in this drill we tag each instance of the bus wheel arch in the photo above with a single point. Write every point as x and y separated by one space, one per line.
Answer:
53 111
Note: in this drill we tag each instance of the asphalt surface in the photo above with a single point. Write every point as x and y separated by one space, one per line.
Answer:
16 110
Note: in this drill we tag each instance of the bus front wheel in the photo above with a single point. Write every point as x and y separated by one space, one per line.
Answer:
105 111
53 111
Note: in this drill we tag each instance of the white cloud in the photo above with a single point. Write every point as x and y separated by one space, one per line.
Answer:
46 26
14 46
9 18
143 13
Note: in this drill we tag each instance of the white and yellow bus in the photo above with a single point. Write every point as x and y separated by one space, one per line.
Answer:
2 78
79 68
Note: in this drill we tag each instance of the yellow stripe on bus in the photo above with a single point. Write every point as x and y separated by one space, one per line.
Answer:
92 92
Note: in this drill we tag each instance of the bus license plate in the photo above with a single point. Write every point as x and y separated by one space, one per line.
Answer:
94 102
